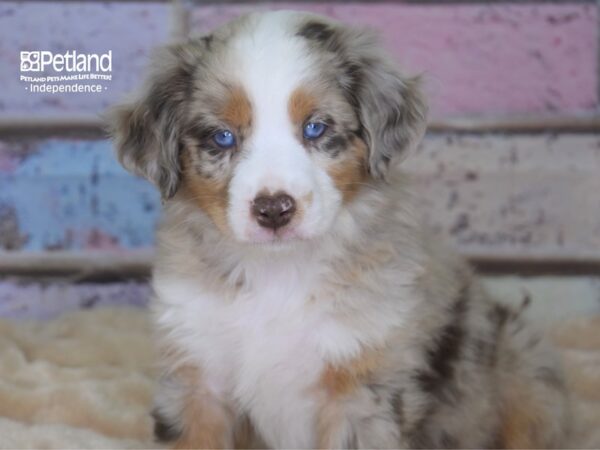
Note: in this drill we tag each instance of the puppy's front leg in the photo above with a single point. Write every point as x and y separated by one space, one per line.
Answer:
356 413
188 415
359 422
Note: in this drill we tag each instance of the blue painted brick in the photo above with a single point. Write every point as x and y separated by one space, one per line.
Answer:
72 195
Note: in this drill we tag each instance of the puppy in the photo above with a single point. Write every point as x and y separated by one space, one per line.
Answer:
298 304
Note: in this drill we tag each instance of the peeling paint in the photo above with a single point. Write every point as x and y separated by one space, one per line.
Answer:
72 194
10 234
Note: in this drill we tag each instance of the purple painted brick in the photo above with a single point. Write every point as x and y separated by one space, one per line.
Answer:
130 30
501 58
35 300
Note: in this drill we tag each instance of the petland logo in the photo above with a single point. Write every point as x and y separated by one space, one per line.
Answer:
68 72
39 61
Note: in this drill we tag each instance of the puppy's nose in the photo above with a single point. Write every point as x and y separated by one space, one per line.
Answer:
273 211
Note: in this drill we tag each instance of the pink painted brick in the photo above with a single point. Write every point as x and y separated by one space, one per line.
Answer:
130 30
532 195
490 59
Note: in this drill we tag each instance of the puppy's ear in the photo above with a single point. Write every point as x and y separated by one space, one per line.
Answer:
390 106
147 130
391 109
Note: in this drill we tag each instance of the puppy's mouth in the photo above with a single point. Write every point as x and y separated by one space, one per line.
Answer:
276 237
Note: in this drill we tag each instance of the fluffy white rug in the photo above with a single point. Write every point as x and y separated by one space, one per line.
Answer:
85 380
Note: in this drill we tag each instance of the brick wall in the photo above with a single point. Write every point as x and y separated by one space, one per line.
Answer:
478 58
509 170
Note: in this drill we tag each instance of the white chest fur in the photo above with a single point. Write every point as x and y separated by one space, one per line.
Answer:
265 349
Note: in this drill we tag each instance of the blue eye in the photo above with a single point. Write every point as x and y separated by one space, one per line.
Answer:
314 130
224 139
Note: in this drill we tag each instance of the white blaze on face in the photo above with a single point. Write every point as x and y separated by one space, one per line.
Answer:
270 64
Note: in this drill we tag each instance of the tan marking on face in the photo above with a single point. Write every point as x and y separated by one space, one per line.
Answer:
211 195
307 199
206 422
237 109
301 105
349 171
